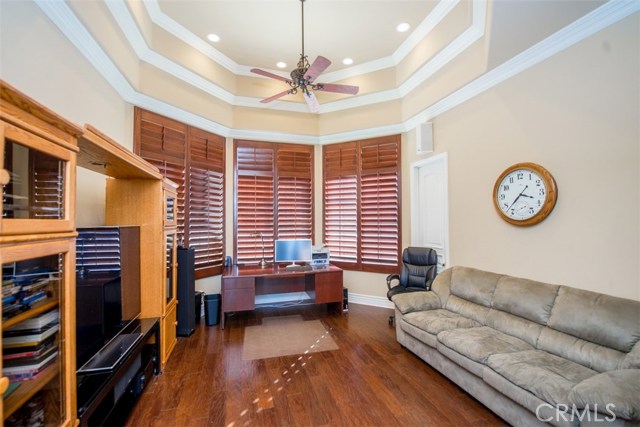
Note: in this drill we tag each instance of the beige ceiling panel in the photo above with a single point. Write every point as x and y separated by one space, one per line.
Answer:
454 24
98 20
264 119
371 116
166 88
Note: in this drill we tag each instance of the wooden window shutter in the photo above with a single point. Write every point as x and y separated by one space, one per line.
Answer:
362 204
163 143
341 202
205 213
380 204
193 159
255 211
294 188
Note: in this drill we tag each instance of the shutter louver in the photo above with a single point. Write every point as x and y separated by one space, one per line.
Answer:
255 209
294 191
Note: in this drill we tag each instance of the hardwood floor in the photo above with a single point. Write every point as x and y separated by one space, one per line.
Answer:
370 381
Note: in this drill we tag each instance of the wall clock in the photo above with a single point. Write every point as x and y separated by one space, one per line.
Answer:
525 194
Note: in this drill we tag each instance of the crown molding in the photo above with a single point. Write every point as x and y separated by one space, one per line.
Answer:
609 13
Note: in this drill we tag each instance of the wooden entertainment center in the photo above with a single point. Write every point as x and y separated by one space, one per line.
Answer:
241 285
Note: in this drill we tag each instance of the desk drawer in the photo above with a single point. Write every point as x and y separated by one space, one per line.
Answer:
238 294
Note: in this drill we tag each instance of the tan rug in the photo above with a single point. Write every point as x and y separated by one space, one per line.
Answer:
285 336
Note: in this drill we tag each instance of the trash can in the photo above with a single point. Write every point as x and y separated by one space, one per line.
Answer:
198 301
212 309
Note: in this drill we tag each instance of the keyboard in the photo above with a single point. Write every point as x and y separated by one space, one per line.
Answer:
297 268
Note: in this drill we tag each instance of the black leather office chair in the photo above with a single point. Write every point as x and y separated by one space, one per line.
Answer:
419 268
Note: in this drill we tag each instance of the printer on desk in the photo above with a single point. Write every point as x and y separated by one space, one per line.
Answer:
319 256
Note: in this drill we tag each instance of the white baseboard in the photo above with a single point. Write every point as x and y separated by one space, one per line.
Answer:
370 300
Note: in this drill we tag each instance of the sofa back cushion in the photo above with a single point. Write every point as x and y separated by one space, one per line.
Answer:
474 285
525 298
601 319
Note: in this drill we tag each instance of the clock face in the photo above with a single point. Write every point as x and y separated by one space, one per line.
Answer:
525 194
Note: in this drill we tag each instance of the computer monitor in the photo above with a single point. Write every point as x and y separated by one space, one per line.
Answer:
292 251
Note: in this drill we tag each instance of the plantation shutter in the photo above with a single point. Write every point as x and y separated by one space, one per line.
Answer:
163 143
341 202
254 201
193 159
362 204
294 168
205 216
380 204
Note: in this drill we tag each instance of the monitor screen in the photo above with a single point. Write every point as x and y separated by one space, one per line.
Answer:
293 250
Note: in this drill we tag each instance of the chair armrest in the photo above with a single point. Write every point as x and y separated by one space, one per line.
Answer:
390 278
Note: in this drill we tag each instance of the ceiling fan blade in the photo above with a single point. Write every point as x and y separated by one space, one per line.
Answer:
268 74
319 65
276 96
330 87
312 102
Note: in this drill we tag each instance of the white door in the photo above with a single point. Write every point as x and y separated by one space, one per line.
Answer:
429 206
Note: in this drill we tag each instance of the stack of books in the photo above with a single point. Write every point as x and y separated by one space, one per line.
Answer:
21 291
29 347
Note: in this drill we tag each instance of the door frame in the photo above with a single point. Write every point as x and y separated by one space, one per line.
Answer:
414 171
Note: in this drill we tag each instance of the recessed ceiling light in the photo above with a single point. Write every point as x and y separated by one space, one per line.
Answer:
401 28
213 37
347 61
281 64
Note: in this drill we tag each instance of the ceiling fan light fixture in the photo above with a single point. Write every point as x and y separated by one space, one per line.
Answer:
281 64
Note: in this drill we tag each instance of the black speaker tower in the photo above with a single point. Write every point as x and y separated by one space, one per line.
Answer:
186 291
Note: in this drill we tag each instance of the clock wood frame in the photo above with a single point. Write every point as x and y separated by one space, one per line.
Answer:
550 200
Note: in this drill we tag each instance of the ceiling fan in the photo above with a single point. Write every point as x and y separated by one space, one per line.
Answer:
303 77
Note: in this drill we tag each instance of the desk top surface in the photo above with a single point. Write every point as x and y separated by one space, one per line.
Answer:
273 270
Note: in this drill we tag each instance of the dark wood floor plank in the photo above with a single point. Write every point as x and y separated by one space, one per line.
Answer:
369 381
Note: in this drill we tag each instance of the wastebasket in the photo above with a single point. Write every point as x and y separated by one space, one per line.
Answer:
198 302
212 309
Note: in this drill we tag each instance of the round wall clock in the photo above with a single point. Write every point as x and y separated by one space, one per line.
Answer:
525 194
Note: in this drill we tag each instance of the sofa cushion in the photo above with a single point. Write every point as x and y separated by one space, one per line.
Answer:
616 392
436 321
593 356
479 343
525 298
548 377
421 335
601 319
513 325
632 359
416 301
474 285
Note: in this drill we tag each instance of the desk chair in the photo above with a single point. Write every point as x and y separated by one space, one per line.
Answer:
418 271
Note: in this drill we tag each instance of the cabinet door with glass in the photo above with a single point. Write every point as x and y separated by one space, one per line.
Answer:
170 266
38 366
38 182
169 190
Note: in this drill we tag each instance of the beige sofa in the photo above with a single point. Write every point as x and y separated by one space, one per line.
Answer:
533 353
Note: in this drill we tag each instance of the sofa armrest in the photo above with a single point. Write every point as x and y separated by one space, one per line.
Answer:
416 301
613 393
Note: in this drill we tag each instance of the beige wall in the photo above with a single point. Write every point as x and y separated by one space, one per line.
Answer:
576 114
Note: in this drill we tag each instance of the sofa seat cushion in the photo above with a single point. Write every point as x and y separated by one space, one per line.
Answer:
479 343
614 392
436 321
545 375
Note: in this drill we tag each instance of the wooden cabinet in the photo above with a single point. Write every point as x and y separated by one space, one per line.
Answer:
137 194
38 152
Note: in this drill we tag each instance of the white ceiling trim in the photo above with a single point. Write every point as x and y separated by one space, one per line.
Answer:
602 17
474 32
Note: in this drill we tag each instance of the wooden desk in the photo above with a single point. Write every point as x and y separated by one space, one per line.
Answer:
241 284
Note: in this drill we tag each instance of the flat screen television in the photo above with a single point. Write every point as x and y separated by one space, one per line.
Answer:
107 288
298 250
